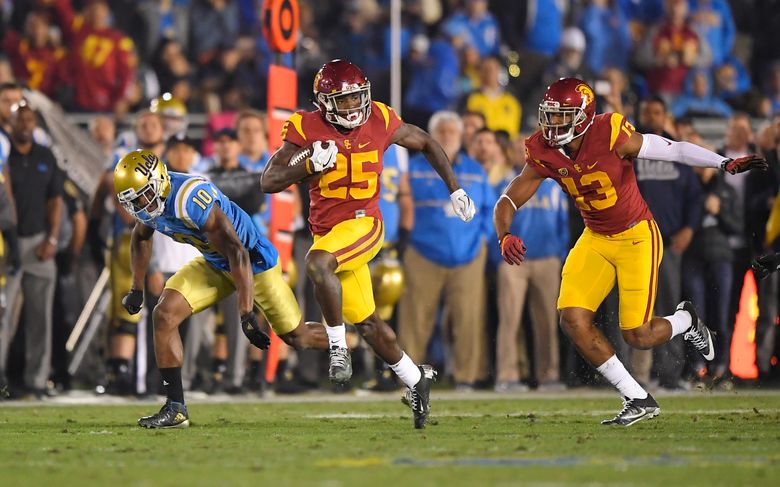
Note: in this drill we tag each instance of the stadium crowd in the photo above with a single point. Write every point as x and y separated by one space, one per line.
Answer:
473 74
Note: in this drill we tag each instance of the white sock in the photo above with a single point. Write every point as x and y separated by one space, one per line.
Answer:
407 371
337 335
614 371
681 322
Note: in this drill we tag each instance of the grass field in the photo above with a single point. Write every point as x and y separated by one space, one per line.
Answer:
698 440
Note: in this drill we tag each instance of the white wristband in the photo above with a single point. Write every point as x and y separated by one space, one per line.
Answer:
509 200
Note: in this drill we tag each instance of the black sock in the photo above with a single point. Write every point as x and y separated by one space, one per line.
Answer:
254 369
172 382
281 368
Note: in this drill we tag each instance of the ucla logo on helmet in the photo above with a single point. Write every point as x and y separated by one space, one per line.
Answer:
149 164
586 93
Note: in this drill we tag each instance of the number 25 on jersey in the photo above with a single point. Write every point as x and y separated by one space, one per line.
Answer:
341 180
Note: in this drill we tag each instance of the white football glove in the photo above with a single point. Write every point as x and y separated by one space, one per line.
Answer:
323 159
463 205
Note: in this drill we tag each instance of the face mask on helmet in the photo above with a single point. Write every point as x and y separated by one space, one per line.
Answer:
145 204
348 108
559 124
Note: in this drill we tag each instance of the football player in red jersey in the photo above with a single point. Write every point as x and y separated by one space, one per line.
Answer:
590 156
345 219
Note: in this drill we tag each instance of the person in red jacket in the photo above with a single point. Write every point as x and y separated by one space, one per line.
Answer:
35 58
102 58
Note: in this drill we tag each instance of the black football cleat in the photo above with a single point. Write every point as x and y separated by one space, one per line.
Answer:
635 410
171 415
340 369
698 334
419 396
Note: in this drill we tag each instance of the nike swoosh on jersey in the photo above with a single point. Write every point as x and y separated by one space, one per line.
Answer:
635 242
360 146
591 166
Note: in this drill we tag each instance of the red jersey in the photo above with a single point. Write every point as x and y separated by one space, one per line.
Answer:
43 69
102 61
602 184
351 188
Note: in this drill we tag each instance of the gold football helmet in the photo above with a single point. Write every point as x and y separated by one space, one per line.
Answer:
142 184
387 277
173 113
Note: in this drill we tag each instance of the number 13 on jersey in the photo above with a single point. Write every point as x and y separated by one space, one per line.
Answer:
607 195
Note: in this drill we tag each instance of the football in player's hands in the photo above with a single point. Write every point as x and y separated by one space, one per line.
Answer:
318 157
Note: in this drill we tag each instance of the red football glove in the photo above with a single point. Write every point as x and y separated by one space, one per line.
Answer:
512 249
742 164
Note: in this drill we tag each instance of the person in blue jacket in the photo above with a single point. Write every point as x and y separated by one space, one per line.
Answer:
446 257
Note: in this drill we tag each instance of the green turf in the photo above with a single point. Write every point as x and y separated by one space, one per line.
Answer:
698 440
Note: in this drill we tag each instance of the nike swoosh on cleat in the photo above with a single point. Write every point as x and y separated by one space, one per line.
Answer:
711 344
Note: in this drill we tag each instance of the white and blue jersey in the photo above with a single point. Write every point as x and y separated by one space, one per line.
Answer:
395 162
187 208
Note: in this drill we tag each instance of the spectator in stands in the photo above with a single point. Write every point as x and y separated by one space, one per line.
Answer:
753 203
713 21
103 131
773 91
163 20
615 93
468 77
37 190
707 266
544 26
475 26
673 194
473 122
67 302
37 60
433 85
102 58
213 25
252 140
732 83
670 49
6 71
697 100
607 33
435 270
569 63
171 65
501 109
544 219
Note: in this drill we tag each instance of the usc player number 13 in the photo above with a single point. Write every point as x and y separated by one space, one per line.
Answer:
590 157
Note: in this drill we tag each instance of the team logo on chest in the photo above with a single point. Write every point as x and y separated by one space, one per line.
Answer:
347 144
563 172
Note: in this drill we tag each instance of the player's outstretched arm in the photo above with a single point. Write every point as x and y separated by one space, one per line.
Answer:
140 254
223 237
655 147
516 195
289 166
414 138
